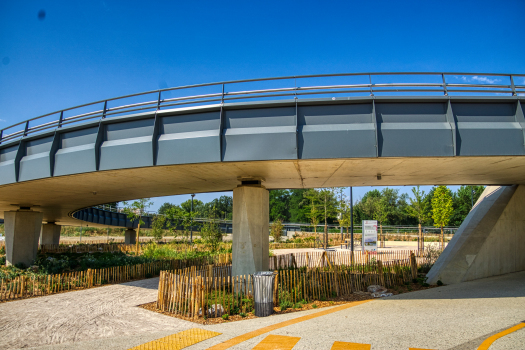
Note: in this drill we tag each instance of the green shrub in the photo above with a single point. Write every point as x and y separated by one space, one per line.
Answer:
225 317
242 314
314 306
439 283
285 304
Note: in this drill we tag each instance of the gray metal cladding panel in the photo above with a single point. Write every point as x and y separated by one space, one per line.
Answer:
480 139
78 138
176 149
8 153
75 160
38 146
7 172
130 154
190 123
433 140
244 145
335 114
34 167
260 117
484 112
411 112
129 130
344 142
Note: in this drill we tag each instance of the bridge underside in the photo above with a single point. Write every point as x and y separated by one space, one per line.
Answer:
58 197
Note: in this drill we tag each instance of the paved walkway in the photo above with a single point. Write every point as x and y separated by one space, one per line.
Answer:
456 317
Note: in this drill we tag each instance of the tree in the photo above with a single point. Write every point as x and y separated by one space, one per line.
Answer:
312 211
329 208
279 204
157 226
165 207
462 201
276 230
419 209
135 211
296 206
211 233
198 207
442 209
382 210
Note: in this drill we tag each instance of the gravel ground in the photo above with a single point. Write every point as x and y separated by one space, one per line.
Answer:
457 317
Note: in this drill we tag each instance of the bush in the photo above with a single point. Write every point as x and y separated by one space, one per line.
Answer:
314 306
225 317
285 304
439 283
242 314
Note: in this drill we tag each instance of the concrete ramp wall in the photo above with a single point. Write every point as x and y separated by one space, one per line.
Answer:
491 240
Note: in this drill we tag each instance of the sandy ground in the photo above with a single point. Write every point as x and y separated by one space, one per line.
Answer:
102 312
456 317
389 246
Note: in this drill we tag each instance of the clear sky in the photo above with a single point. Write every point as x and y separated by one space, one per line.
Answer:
57 54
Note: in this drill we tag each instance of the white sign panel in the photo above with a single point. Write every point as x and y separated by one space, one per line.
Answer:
369 235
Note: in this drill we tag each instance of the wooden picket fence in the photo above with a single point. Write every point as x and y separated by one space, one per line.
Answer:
38 285
194 292
336 258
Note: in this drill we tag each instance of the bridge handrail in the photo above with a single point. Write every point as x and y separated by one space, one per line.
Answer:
295 92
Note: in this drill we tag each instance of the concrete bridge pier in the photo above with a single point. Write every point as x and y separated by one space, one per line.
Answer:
22 232
50 233
251 213
130 236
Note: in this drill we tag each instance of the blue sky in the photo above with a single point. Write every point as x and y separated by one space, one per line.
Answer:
85 51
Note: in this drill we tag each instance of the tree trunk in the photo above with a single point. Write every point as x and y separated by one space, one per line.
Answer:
421 246
138 235
325 234
381 237
442 239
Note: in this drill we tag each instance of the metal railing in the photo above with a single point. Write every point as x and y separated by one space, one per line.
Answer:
437 83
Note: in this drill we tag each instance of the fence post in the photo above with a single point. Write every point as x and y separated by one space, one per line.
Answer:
275 289
380 273
413 265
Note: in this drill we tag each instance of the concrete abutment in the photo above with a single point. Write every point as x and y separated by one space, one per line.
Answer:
489 242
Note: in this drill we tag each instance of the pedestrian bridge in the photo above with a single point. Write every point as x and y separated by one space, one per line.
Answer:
286 133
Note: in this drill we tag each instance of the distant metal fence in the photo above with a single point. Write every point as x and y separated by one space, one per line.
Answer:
289 86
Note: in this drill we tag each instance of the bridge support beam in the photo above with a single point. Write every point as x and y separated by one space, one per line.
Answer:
251 213
490 242
50 233
22 232
130 236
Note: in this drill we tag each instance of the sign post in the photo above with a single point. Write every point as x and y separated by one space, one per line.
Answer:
369 236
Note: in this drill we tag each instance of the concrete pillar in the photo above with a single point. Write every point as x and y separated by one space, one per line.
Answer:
251 214
22 231
51 233
130 236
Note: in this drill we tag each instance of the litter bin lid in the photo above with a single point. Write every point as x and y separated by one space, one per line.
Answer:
263 273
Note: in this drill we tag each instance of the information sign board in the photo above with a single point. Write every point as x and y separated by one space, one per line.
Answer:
369 235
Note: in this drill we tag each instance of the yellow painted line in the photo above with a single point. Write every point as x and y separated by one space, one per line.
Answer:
340 345
178 341
277 342
237 340
488 342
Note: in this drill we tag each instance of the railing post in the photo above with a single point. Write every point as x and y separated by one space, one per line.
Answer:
158 101
444 84
1 135
60 119
511 86
222 97
26 129
105 109
370 80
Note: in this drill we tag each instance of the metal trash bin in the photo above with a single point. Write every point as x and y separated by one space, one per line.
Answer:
263 282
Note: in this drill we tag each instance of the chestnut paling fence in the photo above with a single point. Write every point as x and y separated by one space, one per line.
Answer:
210 292
39 285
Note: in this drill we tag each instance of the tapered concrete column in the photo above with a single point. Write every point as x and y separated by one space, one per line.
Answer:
51 233
251 244
130 236
22 231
